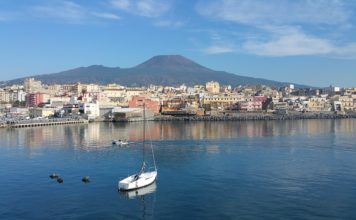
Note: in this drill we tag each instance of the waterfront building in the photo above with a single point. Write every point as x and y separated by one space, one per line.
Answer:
175 103
318 104
59 101
221 101
249 106
179 106
18 112
152 105
92 110
347 103
70 109
337 106
41 112
129 114
280 106
264 101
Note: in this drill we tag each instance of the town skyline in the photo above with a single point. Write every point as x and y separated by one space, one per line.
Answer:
112 102
303 42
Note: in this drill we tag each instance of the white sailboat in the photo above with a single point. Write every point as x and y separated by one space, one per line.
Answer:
143 177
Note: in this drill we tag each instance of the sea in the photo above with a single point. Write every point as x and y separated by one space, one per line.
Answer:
302 169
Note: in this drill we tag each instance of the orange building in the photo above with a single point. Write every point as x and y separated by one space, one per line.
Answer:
34 99
138 101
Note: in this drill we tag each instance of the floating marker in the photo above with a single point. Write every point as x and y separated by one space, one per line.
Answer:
54 176
60 180
86 179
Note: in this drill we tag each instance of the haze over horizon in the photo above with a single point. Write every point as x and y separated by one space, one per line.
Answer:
304 42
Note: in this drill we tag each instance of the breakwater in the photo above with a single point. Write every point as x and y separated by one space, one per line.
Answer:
38 123
258 117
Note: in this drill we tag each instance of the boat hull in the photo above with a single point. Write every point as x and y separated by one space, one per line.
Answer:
145 179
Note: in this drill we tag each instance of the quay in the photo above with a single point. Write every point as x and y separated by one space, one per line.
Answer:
32 123
257 117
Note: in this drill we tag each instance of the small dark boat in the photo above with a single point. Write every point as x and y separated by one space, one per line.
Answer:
60 180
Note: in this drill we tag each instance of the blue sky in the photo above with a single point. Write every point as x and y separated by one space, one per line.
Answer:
303 41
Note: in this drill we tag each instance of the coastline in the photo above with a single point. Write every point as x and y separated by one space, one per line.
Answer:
245 116
259 117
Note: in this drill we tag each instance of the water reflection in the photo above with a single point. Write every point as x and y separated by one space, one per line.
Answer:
98 135
146 196
250 170
140 193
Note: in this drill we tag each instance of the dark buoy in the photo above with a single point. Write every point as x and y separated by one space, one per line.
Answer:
54 176
60 180
86 179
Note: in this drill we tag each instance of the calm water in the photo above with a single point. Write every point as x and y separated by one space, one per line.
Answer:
207 170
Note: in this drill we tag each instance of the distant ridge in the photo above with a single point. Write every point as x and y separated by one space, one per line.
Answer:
168 70
170 62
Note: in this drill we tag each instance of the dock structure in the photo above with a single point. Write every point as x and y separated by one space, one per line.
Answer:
45 123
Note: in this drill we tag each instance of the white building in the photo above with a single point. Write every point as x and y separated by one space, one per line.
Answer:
92 110
21 95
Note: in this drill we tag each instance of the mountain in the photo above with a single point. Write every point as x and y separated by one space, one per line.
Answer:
159 70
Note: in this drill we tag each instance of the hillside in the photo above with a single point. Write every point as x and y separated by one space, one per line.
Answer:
159 70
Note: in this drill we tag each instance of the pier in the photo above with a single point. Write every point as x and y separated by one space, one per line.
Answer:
33 123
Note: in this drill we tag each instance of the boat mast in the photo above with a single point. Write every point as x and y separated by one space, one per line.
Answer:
144 139
153 156
144 134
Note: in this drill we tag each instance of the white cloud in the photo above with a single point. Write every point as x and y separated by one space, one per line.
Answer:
121 4
277 12
65 10
219 49
287 28
106 15
145 8
290 41
70 12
